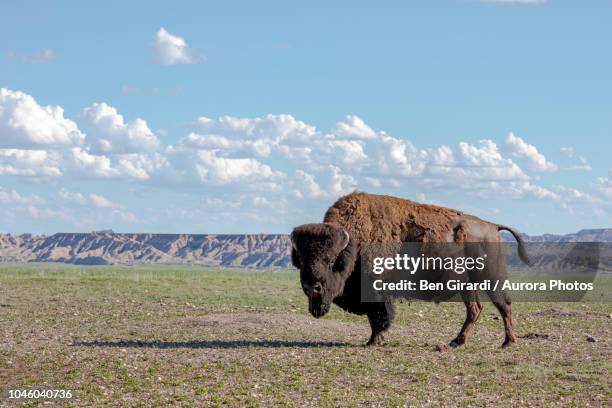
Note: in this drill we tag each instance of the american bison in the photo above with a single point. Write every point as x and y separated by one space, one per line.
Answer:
328 255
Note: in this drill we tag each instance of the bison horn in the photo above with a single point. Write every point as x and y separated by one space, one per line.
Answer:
293 241
347 238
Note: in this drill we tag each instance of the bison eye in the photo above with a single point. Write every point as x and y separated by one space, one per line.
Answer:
338 265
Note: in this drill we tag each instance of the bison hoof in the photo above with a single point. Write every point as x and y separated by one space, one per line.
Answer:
508 343
378 340
457 342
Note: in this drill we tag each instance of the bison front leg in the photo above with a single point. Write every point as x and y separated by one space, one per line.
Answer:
380 317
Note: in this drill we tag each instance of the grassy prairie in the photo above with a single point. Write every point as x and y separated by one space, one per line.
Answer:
191 337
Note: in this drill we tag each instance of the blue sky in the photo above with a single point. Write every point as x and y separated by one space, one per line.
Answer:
255 116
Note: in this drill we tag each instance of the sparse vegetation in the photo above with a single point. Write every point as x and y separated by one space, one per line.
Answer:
189 337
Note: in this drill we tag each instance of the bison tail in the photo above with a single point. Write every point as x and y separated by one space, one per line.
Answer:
521 245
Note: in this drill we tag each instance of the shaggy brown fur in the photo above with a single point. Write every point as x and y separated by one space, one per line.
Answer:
378 218
328 258
381 218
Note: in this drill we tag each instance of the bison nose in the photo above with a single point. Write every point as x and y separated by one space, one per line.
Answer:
313 290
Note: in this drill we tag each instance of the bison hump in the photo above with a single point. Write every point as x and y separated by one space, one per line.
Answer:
380 218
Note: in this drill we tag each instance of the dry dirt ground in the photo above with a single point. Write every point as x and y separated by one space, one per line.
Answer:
187 337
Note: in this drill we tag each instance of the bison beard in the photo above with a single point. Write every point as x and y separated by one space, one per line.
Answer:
316 307
328 255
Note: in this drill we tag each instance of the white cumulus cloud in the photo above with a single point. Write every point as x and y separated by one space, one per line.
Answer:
523 188
171 49
109 133
483 161
308 184
30 163
353 126
523 150
277 157
26 124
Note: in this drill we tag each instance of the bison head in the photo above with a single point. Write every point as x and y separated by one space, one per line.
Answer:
326 256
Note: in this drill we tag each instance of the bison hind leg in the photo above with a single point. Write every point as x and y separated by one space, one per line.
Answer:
505 310
502 302
472 311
